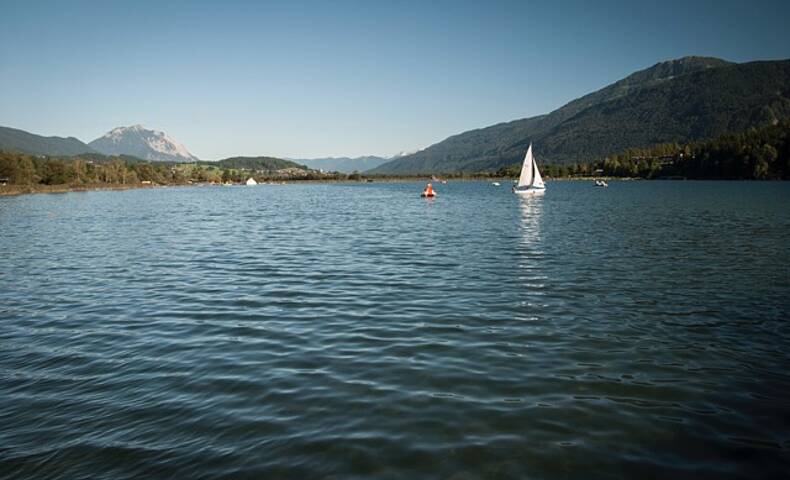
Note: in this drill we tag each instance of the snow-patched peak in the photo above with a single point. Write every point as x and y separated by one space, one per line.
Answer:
403 153
140 142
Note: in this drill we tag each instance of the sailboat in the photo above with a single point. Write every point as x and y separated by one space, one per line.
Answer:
530 181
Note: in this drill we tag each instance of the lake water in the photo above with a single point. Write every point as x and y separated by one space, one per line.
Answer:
359 331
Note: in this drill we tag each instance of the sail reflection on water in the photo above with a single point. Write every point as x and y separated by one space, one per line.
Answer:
531 253
531 209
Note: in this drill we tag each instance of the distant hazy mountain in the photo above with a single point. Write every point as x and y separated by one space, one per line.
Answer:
344 164
142 143
13 140
680 100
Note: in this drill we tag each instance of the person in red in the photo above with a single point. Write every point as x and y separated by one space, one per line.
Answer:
428 192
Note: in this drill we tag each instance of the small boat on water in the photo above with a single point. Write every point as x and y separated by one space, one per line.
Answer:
496 184
251 181
601 183
428 192
529 182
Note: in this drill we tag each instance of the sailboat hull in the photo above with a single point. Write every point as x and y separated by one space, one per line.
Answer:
529 191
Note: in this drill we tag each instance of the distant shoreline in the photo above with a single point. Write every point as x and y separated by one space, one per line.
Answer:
16 190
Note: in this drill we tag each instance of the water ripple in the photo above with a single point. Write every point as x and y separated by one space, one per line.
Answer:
357 331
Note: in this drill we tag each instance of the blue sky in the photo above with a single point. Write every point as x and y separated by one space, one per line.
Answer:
307 79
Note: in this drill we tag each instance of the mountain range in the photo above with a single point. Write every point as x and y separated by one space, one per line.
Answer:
347 164
135 141
681 100
138 142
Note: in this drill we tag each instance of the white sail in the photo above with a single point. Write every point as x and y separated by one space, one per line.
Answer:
530 181
526 177
537 180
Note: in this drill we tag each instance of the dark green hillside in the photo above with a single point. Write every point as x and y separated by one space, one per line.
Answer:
14 140
650 77
694 106
677 101
101 158
754 154
256 163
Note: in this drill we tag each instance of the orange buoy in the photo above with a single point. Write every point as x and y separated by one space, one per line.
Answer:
428 192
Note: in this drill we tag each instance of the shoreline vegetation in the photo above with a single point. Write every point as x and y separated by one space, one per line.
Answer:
757 154
15 190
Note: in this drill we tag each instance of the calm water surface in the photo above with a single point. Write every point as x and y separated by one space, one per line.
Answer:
359 331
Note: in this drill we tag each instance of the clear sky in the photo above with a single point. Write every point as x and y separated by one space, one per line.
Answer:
307 79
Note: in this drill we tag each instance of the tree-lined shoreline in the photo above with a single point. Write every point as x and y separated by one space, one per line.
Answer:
757 154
